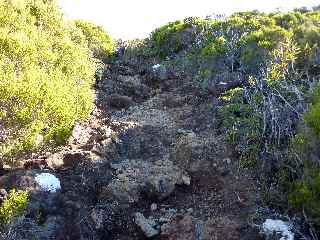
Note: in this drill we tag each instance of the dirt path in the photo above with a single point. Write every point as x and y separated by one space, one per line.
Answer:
149 163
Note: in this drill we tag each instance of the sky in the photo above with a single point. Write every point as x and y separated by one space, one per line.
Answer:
128 19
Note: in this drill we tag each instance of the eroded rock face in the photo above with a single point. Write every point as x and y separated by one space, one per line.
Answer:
103 217
179 229
174 101
160 72
67 158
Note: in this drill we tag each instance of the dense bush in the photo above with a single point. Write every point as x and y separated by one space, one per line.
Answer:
100 43
303 184
13 206
176 36
46 73
242 126
313 116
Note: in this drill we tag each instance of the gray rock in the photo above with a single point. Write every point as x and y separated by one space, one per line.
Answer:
190 228
119 101
155 180
160 72
147 226
159 187
3 195
72 159
104 217
55 160
154 207
194 153
142 142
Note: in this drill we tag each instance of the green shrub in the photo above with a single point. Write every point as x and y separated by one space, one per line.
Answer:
46 75
304 195
136 51
98 40
214 47
13 206
243 127
303 186
176 36
167 39
288 20
313 116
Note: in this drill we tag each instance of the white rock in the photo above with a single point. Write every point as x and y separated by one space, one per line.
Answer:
155 67
147 226
154 207
186 180
76 132
38 139
99 72
270 226
48 182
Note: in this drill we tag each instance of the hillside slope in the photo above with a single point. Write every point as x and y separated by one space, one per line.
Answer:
206 130
161 156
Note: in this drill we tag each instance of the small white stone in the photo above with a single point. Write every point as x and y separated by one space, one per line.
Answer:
186 180
227 161
38 139
146 225
155 67
222 83
190 210
154 207
99 72
270 226
48 182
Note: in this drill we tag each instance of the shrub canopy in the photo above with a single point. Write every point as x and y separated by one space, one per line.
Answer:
100 43
46 75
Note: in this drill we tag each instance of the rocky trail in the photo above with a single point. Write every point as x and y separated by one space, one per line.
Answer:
150 163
